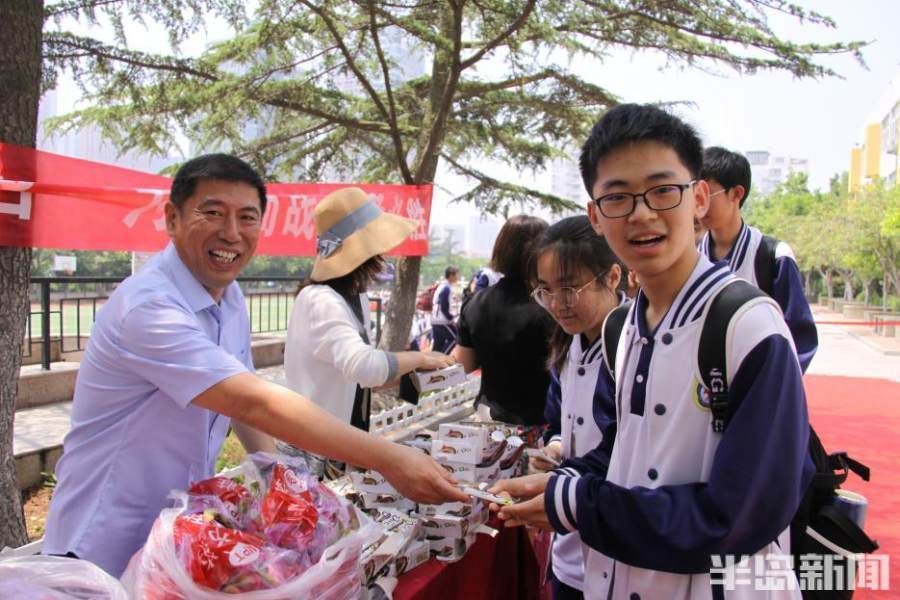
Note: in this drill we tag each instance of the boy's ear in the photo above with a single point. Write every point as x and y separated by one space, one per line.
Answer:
594 216
701 198
614 276
736 193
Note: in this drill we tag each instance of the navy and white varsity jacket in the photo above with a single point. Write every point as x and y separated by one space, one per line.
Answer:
440 313
787 288
579 409
662 493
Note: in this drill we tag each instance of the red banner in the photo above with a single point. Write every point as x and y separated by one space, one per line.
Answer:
53 201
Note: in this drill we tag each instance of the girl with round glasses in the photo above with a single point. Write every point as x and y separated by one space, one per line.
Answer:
577 277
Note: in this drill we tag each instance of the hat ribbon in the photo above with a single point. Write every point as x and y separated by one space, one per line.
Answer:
329 242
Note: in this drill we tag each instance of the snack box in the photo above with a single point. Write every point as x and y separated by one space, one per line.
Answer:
427 381
456 509
473 474
458 431
414 554
371 482
450 526
398 531
387 500
448 549
471 450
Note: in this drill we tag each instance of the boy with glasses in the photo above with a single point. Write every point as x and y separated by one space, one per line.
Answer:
763 261
666 496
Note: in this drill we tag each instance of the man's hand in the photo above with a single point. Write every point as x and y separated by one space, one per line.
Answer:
419 477
553 450
529 513
431 361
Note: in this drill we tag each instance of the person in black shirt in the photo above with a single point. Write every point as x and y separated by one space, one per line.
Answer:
505 333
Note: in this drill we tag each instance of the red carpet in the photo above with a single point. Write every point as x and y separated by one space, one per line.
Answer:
862 416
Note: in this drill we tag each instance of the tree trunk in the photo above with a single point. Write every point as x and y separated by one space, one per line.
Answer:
807 284
829 282
866 285
444 77
21 22
847 276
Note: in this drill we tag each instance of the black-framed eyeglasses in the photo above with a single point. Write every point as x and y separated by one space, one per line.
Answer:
568 296
660 197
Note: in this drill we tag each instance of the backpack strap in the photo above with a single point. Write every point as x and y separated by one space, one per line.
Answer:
613 326
764 264
711 353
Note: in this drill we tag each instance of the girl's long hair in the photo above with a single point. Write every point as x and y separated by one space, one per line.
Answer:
576 245
354 283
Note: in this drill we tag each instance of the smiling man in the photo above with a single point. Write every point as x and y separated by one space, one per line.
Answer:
168 370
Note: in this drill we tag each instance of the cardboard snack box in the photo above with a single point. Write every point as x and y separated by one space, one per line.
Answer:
428 381
371 482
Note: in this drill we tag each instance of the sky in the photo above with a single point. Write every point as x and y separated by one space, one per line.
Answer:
819 120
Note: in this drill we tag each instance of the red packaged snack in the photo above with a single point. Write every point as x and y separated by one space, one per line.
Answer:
285 480
214 553
288 520
235 496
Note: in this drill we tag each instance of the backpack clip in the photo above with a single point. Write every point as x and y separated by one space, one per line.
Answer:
718 405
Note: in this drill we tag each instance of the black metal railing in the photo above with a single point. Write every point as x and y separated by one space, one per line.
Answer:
65 309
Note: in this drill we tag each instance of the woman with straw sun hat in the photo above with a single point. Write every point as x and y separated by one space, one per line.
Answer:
328 354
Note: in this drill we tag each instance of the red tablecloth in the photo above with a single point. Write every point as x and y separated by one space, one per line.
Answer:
508 566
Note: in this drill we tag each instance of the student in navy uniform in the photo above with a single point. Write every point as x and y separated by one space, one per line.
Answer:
577 277
443 326
663 494
729 238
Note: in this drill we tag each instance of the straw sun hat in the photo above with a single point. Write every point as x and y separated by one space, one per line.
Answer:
351 229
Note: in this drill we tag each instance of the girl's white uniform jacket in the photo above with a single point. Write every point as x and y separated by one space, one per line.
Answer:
579 408
656 502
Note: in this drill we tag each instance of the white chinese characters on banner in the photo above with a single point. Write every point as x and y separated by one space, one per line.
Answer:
154 207
298 220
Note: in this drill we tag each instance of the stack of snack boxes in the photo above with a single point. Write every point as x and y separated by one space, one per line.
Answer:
477 455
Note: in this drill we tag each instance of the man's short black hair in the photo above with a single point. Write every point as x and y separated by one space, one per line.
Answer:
638 123
223 167
450 271
727 168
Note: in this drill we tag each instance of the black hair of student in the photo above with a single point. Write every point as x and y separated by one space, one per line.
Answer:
221 167
576 245
353 283
512 249
727 168
450 271
639 123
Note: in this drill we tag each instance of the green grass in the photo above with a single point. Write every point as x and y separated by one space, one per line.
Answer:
232 453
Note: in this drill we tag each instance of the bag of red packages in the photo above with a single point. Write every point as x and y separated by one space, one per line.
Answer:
280 536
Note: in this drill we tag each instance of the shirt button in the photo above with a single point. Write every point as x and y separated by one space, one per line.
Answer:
652 474
667 338
639 378
645 341
660 409
605 574
581 420
634 597
581 370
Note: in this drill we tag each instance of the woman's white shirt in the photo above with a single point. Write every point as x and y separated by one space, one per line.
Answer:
324 355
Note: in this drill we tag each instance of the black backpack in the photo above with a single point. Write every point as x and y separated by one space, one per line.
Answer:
764 264
816 517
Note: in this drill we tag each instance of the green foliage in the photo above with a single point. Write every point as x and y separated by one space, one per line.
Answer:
855 235
318 89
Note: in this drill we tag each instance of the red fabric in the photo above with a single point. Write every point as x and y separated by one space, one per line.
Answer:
84 205
503 567
862 416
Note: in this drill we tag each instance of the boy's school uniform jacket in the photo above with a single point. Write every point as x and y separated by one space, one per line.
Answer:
663 493
579 409
787 286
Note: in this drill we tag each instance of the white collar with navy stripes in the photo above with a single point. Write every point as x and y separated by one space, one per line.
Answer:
690 301
738 251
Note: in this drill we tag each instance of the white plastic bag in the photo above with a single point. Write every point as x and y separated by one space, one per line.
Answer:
56 578
156 572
